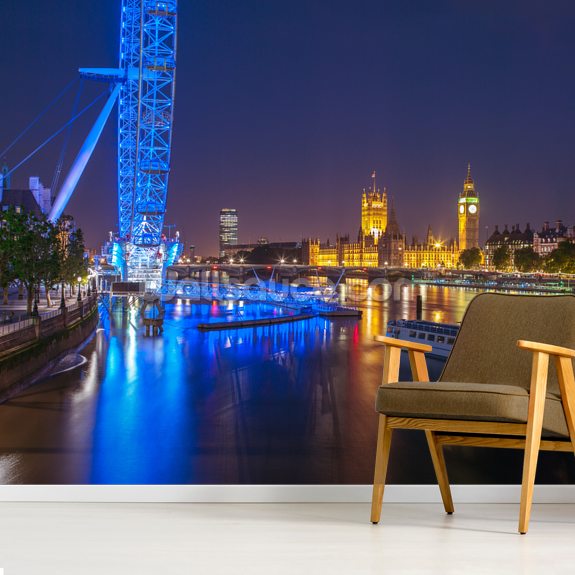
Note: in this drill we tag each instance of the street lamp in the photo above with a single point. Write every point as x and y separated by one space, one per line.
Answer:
79 293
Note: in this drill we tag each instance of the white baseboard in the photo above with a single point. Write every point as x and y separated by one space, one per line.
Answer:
277 493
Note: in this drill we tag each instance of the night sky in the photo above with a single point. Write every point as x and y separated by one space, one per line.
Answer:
284 108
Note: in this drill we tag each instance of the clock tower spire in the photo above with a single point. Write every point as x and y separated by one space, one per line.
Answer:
468 214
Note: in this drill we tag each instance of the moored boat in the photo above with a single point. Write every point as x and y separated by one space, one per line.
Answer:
440 336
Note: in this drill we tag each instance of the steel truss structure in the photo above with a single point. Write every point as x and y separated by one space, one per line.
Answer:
144 85
145 119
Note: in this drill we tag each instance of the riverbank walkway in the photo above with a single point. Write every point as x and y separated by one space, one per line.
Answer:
15 310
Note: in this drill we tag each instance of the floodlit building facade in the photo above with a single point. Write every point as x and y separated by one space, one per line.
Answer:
468 214
381 243
228 229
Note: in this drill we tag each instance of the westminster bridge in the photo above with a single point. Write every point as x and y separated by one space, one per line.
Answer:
282 273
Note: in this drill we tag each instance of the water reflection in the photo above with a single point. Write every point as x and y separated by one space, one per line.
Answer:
289 403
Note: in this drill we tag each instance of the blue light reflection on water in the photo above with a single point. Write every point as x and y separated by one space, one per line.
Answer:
141 415
162 398
288 403
228 310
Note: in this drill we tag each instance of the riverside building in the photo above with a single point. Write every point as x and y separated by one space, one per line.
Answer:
361 253
35 199
549 238
381 243
513 240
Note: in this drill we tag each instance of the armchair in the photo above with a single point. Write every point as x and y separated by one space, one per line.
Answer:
489 393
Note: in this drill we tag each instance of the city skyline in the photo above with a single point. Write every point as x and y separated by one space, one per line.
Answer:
481 233
286 131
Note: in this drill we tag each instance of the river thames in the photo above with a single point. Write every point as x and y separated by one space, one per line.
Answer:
290 403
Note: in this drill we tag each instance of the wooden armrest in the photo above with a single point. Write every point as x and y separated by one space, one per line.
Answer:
546 348
391 341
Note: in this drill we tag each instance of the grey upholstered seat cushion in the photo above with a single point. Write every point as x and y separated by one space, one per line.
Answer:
492 374
470 401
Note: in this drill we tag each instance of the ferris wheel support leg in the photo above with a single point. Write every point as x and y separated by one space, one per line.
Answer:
82 158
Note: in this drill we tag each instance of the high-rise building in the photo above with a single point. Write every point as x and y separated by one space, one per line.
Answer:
468 214
228 229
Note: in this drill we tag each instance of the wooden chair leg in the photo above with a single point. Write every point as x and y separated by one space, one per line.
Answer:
566 379
381 460
440 471
533 437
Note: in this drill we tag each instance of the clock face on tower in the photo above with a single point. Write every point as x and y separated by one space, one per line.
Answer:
472 209
461 209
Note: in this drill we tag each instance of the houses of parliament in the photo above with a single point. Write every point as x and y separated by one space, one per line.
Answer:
381 243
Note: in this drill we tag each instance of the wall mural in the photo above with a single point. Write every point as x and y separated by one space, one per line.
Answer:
148 342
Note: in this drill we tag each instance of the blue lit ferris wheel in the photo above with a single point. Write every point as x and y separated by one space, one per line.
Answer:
144 86
145 119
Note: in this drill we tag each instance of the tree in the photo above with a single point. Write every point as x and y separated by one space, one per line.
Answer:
561 259
501 259
7 253
526 260
266 254
73 264
35 252
50 264
28 232
470 258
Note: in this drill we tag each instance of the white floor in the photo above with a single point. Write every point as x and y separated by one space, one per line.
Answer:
173 539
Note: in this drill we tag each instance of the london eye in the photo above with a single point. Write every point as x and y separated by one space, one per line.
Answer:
143 86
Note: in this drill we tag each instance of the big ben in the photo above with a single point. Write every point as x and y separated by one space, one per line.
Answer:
468 214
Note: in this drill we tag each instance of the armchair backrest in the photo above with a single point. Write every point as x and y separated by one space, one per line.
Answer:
485 350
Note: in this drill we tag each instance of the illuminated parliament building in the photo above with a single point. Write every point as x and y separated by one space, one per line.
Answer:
381 243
